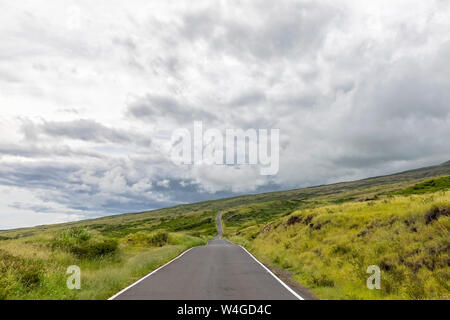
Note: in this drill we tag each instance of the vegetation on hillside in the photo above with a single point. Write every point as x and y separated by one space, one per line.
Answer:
429 186
328 248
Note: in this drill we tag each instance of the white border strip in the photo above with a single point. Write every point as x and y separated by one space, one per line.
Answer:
148 275
273 275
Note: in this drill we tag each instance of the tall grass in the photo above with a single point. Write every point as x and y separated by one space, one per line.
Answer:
328 249
34 267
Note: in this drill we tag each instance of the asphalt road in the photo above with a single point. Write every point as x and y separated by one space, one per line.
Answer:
218 271
219 226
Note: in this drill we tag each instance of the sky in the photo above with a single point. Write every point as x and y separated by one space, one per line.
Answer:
91 92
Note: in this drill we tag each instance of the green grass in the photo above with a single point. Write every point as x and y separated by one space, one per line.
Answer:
329 248
429 186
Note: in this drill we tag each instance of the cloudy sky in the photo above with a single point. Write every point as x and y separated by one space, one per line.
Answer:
91 91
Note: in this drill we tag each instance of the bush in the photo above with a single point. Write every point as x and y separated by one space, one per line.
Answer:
80 242
30 276
95 249
155 240
67 239
159 239
78 233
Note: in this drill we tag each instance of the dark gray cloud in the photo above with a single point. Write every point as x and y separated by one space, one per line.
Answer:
81 129
33 151
83 189
272 30
42 175
248 99
87 130
154 107
34 208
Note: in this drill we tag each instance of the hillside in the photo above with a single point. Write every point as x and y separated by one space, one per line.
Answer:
329 247
114 251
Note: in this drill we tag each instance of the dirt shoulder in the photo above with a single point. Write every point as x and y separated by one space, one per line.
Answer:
286 276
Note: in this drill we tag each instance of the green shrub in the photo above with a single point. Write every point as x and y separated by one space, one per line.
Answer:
144 239
80 242
78 233
429 186
95 249
30 275
67 239
158 240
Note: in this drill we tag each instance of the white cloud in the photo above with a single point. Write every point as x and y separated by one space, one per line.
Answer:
90 93
163 183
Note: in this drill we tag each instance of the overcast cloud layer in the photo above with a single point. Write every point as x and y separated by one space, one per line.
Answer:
90 92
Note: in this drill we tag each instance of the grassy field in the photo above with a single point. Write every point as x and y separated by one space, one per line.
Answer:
325 236
111 252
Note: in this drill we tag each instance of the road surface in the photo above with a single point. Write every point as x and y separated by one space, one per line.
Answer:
218 271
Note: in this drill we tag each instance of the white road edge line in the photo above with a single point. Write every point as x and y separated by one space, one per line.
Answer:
148 275
273 275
